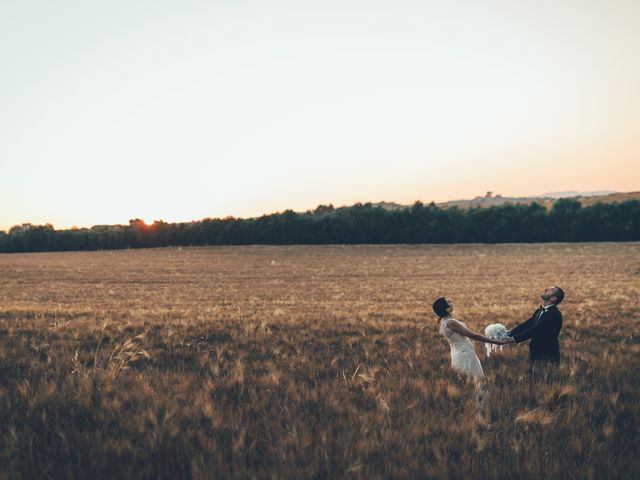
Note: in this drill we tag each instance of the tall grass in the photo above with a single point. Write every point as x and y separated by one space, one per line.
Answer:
312 362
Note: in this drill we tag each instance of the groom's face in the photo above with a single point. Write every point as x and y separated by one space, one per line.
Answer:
549 293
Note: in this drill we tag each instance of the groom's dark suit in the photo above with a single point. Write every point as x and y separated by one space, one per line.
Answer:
542 328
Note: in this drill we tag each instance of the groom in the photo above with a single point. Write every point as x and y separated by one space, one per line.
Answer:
542 328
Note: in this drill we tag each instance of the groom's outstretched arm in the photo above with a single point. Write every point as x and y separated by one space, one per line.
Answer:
544 322
523 326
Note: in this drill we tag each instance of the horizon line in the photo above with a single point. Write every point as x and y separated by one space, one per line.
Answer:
489 195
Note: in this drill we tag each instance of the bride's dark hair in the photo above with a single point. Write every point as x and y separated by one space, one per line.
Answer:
440 307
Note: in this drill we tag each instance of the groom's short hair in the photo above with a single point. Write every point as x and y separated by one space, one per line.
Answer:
559 295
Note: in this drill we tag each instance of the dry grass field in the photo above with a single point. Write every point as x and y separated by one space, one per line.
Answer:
312 362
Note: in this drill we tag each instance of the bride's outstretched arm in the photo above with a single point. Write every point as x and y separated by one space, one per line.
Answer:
464 331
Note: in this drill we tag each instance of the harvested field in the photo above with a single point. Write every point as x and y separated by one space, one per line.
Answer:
312 362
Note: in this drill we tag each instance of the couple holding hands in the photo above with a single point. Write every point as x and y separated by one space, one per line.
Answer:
542 329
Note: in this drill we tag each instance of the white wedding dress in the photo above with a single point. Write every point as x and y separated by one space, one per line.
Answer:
463 357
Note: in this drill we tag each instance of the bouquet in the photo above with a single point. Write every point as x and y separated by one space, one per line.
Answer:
495 331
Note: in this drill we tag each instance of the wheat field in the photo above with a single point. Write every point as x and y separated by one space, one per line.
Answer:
312 362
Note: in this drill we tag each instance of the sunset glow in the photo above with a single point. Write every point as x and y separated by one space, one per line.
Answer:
179 111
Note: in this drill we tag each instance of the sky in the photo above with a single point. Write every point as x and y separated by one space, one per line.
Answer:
184 110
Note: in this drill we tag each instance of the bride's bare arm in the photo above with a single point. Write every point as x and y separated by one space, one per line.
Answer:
464 331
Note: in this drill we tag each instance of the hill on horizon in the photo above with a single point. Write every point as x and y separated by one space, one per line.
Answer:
547 199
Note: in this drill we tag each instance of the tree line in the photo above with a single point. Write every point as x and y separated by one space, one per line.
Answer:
566 221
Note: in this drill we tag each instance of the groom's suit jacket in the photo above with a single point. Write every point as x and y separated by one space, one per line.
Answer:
543 329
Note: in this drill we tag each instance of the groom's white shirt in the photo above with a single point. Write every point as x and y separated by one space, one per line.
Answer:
545 309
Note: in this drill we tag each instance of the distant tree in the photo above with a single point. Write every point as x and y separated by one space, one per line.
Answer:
362 223
323 209
562 216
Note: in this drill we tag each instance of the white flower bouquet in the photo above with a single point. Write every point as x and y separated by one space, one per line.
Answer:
495 331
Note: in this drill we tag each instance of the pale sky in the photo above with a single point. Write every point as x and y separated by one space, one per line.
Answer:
111 110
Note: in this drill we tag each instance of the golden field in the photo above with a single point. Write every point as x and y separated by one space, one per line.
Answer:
312 362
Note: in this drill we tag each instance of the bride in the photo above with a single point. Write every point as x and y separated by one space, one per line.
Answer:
463 357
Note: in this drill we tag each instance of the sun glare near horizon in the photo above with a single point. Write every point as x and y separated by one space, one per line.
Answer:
111 111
